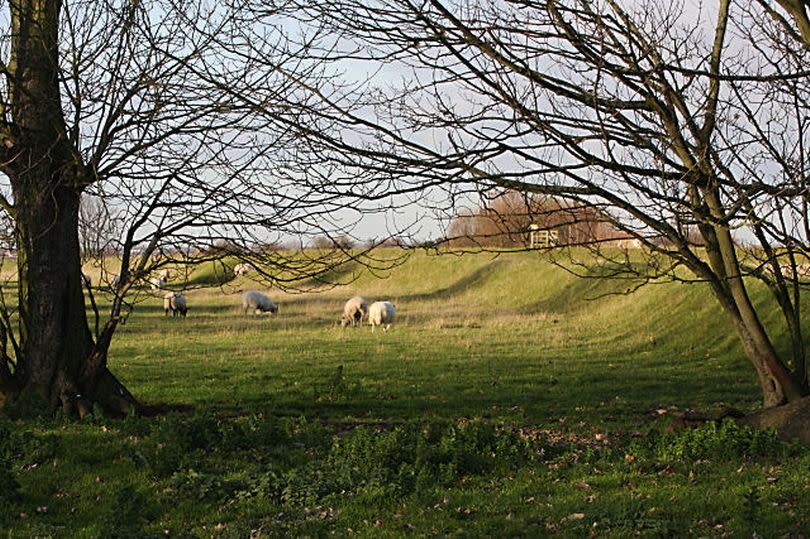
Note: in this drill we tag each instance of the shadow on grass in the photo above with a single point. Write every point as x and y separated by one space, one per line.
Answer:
477 278
580 293
335 276
156 409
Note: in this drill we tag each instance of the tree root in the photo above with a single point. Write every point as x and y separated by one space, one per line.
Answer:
108 395
791 421
112 396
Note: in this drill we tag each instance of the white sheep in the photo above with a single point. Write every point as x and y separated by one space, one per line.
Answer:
176 303
258 302
156 283
802 270
381 313
114 280
241 269
354 311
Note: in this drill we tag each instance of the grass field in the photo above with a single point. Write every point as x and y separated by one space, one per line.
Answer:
510 398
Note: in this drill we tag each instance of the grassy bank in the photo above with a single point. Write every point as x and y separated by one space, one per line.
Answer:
510 398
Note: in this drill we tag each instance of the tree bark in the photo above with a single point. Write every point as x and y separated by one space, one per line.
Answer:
55 340
775 380
54 336
47 177
776 383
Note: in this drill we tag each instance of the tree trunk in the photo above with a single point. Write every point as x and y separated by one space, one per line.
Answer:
56 344
53 363
54 336
775 381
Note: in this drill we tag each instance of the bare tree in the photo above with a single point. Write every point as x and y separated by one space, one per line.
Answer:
99 228
509 217
189 123
790 10
686 134
199 124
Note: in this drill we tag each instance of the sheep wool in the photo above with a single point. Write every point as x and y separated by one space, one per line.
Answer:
381 313
257 302
354 312
241 269
175 303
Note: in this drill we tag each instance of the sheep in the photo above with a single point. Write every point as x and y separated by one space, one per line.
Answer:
176 303
258 302
381 313
241 269
167 303
156 283
115 281
802 270
354 311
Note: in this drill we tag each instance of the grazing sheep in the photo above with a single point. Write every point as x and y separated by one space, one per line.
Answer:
241 269
802 271
115 281
156 283
354 311
258 302
381 313
176 303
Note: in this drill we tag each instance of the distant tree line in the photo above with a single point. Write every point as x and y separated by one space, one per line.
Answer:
506 220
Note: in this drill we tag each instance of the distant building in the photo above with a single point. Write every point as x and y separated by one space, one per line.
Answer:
540 237
518 221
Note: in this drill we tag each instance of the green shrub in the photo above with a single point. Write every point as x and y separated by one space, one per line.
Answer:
305 485
261 483
712 441
249 432
412 458
204 486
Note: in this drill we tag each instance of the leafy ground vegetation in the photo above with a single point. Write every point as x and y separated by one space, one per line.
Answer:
510 399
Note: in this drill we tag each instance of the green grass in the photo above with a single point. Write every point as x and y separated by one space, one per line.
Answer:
510 398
